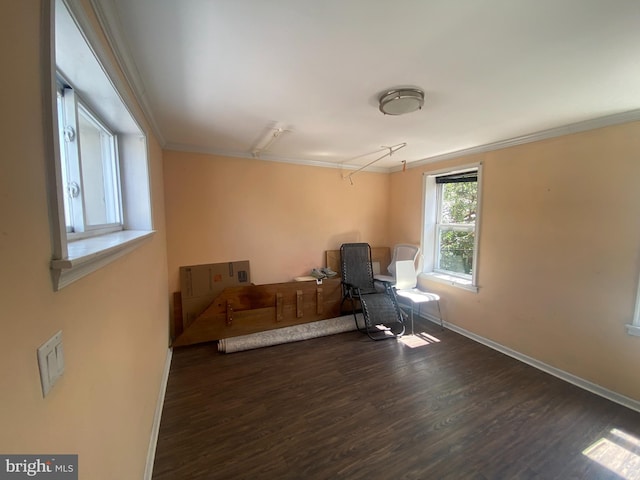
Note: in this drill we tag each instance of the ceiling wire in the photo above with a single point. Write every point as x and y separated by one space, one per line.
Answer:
393 149
348 160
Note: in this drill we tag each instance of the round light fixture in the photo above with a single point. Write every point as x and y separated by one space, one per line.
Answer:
401 101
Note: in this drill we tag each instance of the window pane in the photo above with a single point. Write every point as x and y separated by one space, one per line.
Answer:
459 202
101 205
456 250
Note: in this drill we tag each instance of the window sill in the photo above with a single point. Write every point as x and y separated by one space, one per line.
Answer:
90 254
450 280
633 330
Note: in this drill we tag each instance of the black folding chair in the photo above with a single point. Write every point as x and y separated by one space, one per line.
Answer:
382 316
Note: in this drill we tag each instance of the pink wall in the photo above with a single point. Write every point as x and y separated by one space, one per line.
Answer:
559 252
281 217
558 263
114 321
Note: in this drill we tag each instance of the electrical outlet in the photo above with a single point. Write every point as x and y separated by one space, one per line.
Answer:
51 362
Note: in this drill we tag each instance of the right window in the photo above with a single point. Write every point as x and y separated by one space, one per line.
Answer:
450 241
456 222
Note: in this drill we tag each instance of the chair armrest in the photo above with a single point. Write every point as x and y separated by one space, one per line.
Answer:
384 278
350 288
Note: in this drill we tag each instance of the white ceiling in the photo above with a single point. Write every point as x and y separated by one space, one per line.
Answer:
216 75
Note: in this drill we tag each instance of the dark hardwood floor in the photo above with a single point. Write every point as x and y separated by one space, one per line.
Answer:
347 407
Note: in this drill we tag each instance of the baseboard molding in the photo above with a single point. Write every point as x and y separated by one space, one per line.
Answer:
556 372
155 430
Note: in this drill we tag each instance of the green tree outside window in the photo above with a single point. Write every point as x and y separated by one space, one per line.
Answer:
457 226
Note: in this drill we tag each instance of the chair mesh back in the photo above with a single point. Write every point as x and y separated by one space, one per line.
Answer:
356 265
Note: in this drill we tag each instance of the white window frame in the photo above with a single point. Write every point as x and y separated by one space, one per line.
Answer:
73 106
431 205
72 257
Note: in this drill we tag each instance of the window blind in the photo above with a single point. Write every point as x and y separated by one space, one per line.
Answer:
461 177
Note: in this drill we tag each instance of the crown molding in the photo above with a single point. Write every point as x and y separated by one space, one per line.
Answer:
109 20
179 147
592 124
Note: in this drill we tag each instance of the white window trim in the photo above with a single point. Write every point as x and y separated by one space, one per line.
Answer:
72 260
459 282
88 255
74 107
634 327
429 242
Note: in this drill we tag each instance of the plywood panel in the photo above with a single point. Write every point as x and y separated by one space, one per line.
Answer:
254 308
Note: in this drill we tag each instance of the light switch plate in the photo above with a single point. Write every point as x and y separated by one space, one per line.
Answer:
51 362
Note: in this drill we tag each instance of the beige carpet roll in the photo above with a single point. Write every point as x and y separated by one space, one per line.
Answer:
295 333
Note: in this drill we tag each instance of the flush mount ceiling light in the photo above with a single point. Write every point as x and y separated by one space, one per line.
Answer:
401 101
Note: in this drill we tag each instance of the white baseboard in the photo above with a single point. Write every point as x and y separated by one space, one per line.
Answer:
155 429
556 372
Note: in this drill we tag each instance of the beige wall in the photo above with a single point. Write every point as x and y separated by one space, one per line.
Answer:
280 217
559 259
559 252
558 264
114 321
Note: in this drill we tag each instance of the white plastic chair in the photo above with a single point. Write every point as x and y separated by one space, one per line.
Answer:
401 252
405 287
